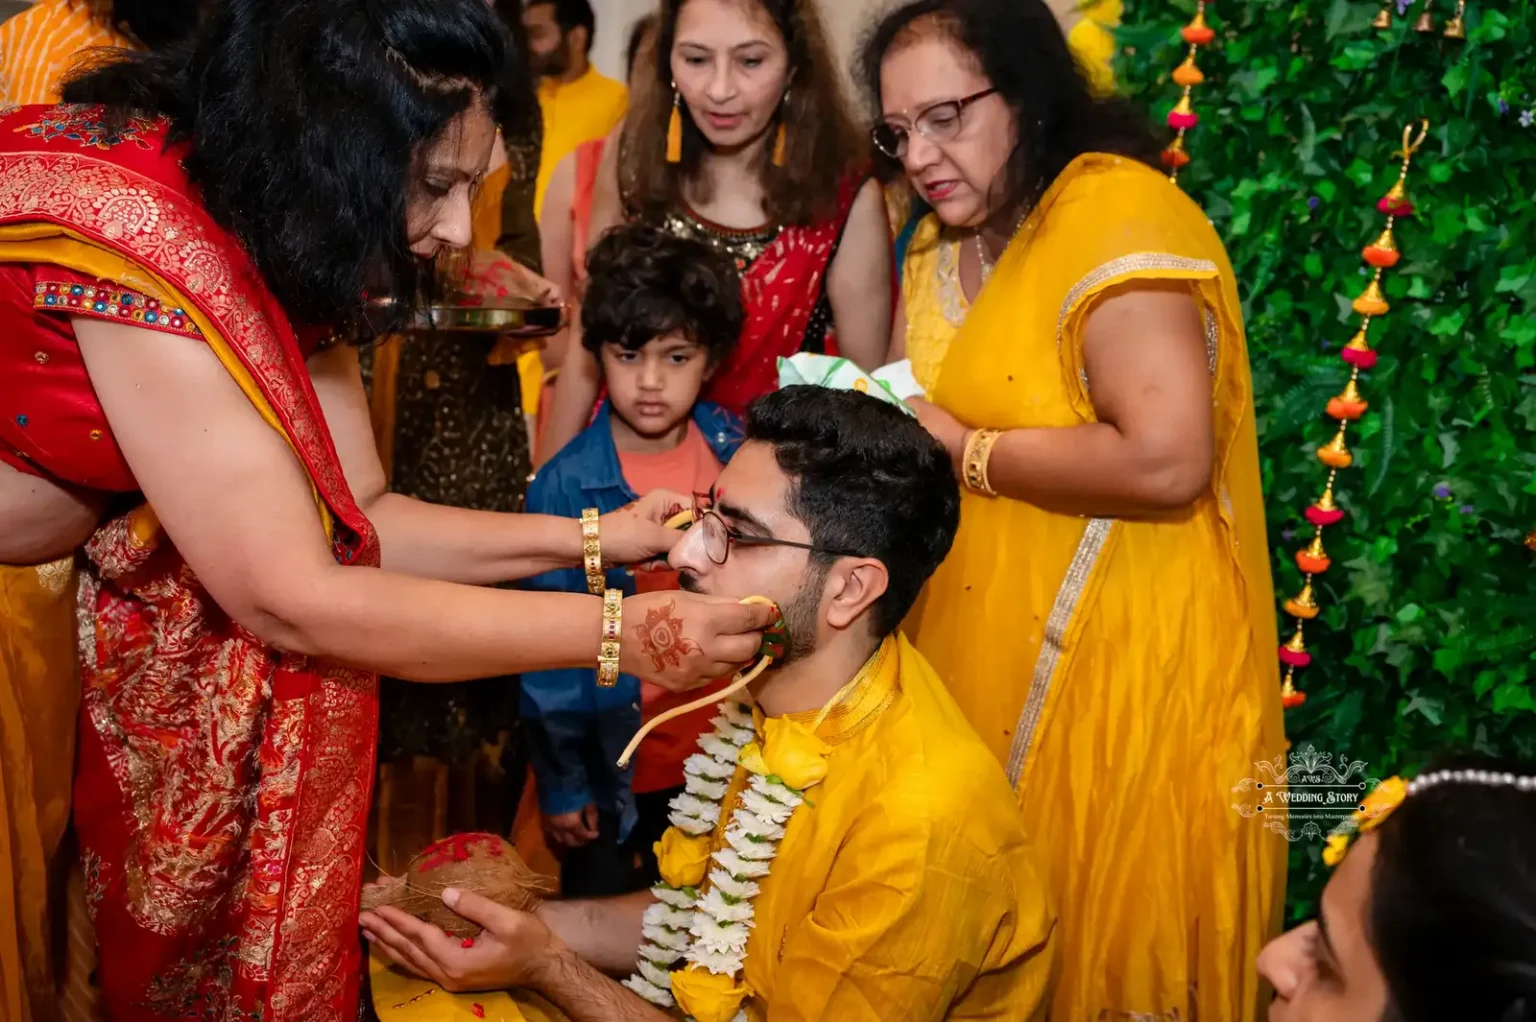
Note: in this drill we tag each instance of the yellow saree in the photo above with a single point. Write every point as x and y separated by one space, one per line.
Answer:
1122 670
39 695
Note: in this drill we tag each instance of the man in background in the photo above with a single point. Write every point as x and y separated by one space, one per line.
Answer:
578 104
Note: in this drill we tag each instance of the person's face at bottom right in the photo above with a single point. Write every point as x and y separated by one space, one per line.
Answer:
1326 970
752 498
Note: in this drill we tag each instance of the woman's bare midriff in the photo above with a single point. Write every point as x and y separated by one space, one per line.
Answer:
41 521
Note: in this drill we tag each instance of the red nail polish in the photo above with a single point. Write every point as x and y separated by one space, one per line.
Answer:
467 942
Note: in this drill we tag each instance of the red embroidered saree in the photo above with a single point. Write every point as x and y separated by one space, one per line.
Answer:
783 291
222 786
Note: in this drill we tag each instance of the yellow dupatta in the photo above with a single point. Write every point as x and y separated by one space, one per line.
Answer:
1114 665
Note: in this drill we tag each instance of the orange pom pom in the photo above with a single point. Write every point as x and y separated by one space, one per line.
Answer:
1384 258
1349 411
1312 565
1175 158
1371 301
1188 73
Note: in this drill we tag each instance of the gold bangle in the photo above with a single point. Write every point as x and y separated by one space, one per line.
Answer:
592 551
978 453
613 639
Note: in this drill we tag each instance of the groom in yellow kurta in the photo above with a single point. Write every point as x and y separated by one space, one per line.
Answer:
903 887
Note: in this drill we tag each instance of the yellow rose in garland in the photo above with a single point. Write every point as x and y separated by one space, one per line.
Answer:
708 997
683 860
794 754
752 759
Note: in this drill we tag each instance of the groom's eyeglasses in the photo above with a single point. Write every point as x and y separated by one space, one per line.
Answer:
720 537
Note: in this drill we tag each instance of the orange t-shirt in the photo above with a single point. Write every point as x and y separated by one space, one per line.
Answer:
691 467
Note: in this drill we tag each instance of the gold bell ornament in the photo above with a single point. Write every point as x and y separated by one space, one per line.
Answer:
1456 28
1371 301
1426 21
1383 17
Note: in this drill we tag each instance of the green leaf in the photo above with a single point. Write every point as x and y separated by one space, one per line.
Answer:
1429 709
1512 279
1513 696
1450 447
1455 79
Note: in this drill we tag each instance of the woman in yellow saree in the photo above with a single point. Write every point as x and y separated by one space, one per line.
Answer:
1105 616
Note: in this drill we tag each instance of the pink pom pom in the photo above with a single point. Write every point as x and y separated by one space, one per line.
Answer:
1186 121
1317 516
1360 358
1293 659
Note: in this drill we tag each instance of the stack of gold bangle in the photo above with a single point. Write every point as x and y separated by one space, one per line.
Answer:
978 453
613 637
592 552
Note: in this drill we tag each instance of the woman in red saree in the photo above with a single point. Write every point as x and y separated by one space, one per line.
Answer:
741 138
168 266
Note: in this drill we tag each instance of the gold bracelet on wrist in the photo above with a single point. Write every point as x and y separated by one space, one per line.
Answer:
592 551
613 639
978 453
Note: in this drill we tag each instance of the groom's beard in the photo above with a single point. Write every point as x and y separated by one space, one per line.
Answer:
802 614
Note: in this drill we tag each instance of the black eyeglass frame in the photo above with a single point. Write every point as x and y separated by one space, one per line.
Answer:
734 538
915 123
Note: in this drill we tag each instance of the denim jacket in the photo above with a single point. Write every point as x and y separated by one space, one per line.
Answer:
576 730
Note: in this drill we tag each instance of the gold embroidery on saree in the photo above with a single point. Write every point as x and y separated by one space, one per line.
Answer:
56 576
1062 611
951 296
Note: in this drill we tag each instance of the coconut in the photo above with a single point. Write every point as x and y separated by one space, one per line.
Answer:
484 864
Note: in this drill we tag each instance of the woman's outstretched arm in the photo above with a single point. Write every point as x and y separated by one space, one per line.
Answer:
233 497
455 544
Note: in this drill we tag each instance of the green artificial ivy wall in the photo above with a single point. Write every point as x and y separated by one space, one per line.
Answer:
1427 637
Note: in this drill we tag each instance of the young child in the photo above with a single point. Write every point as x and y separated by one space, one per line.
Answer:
660 313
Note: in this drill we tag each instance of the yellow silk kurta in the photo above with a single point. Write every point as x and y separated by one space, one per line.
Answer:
904 889
1123 671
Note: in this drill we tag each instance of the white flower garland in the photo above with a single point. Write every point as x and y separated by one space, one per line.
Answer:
712 930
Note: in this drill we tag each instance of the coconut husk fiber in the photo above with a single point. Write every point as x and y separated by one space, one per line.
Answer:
485 864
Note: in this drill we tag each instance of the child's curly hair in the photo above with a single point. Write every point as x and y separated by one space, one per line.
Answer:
643 283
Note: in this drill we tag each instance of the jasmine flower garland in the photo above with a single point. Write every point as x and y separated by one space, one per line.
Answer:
710 932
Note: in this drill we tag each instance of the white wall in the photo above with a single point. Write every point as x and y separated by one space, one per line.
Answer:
845 20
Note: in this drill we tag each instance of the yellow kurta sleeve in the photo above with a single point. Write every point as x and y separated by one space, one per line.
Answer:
917 908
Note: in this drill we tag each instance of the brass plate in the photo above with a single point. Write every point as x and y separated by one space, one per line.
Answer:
514 317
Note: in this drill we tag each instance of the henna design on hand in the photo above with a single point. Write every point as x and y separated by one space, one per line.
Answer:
662 639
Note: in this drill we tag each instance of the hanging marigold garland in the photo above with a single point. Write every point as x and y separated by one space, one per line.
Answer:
1347 407
1188 74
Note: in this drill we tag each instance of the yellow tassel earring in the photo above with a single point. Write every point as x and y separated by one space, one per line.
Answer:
675 128
781 140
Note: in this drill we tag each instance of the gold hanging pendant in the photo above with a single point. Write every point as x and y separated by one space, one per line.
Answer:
1426 20
1456 28
1383 17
